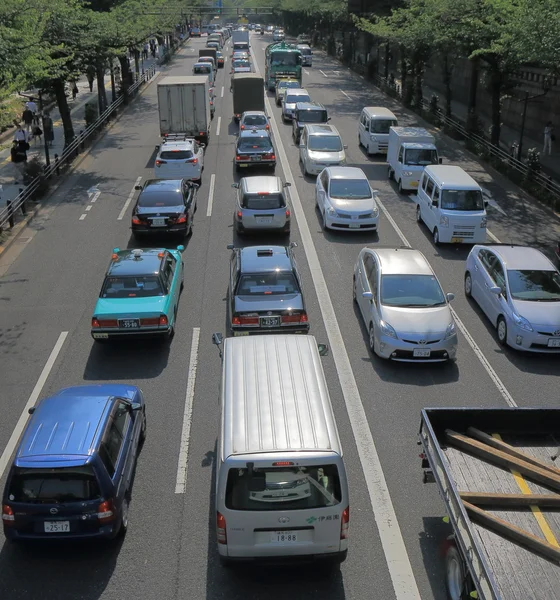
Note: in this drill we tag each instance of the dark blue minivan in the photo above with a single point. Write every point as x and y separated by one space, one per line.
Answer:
72 473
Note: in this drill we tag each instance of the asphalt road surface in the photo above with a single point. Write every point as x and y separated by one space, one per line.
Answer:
49 282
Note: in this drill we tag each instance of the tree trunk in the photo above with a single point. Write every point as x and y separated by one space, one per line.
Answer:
64 110
386 66
125 75
418 71
101 91
113 89
473 85
496 85
137 61
447 72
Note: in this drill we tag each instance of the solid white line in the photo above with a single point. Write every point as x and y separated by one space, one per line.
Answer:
470 340
211 195
492 237
94 199
88 208
306 71
346 94
83 216
22 421
222 92
129 199
182 466
390 534
218 126
323 73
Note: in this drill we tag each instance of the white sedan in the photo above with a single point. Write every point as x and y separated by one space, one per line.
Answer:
180 159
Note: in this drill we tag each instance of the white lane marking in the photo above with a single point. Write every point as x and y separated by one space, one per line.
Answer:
218 126
323 73
88 208
492 237
94 199
22 421
225 60
182 466
390 534
306 71
211 195
222 92
346 94
470 340
83 216
336 72
93 190
128 200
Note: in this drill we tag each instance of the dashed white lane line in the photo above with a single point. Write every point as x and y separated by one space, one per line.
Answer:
83 216
182 466
88 208
94 199
22 421
306 71
218 126
323 73
346 94
222 92
211 195
129 199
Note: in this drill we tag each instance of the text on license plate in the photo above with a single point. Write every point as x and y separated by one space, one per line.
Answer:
158 222
129 323
456 240
554 343
57 526
269 321
421 353
354 226
283 537
264 220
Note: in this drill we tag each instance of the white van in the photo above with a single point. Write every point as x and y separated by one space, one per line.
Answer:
373 129
452 206
281 486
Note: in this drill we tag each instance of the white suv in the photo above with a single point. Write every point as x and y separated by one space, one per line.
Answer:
181 158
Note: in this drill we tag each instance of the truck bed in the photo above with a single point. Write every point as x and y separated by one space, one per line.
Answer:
505 569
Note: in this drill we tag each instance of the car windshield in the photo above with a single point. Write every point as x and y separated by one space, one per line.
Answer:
411 291
254 143
255 120
282 85
238 64
275 282
263 201
305 51
350 189
176 154
293 98
132 286
202 69
160 199
382 125
312 116
534 286
325 143
52 486
462 200
292 488
284 59
420 156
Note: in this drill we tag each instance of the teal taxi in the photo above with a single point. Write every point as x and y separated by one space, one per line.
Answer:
140 294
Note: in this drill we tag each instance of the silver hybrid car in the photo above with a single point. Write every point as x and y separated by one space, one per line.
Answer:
403 306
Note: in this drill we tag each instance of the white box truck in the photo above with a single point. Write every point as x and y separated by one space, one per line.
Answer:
410 150
184 107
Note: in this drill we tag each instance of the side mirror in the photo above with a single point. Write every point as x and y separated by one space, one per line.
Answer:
496 289
230 246
158 147
203 146
435 203
323 349
302 145
367 295
137 187
450 297
486 204
287 184
440 161
345 146
328 119
235 185
180 248
375 191
135 407
293 244
217 338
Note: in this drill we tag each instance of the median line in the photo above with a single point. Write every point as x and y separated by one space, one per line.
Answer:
211 195
129 199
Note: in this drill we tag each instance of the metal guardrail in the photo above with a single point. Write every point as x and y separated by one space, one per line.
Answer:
70 152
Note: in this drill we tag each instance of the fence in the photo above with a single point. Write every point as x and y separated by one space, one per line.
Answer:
70 152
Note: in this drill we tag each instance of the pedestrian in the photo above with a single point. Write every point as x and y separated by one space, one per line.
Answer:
548 138
18 155
37 132
90 74
20 135
74 90
32 106
48 129
27 118
145 52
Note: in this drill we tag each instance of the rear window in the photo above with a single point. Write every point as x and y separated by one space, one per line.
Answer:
204 69
176 154
312 116
137 286
254 143
263 201
160 199
255 120
293 98
46 486
276 282
294 488
305 51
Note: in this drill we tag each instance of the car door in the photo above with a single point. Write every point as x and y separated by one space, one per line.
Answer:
118 448
485 281
173 282
497 303
198 151
303 148
322 186
189 198
362 284
428 209
477 275
233 276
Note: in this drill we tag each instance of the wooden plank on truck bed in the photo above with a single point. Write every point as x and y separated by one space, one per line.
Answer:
511 500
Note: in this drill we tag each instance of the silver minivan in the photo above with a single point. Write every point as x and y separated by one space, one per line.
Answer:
281 486
320 146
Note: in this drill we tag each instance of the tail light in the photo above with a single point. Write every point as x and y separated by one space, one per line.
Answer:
253 320
242 127
150 321
241 157
345 523
267 127
239 214
221 530
201 133
163 321
106 511
295 318
182 218
192 161
160 162
288 213
95 323
8 515
269 156
136 221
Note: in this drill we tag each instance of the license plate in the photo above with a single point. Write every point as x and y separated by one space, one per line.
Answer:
414 184
283 537
421 353
57 526
554 343
257 157
269 321
100 336
354 226
240 333
241 165
456 240
129 323
158 222
264 220
383 150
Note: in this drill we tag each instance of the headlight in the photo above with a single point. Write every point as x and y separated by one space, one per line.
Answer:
407 173
386 329
450 331
331 211
483 222
375 211
522 322
444 221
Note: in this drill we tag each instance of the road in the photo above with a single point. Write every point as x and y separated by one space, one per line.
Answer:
49 281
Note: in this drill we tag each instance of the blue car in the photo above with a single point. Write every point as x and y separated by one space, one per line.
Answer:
72 474
140 295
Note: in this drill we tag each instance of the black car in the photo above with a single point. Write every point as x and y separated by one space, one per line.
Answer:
307 113
254 148
164 206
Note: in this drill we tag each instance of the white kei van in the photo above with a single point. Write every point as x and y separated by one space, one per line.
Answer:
281 486
452 206
373 129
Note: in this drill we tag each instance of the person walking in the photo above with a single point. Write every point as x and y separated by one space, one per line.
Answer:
20 135
48 127
32 106
27 118
18 155
548 138
74 90
90 74
36 133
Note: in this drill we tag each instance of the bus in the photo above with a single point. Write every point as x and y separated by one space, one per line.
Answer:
282 60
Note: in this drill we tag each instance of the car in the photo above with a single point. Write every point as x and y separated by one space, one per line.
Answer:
345 200
261 205
254 148
304 39
221 59
212 96
240 66
215 45
206 69
140 295
72 474
265 291
289 100
320 146
252 119
164 206
208 59
518 289
306 55
278 35
195 32
180 158
281 84
403 307
269 28
307 112
240 55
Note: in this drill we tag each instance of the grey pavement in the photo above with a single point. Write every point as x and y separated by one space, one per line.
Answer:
50 279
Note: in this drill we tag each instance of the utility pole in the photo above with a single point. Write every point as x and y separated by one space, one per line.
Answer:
47 155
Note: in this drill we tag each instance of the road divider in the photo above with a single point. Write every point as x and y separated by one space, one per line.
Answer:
129 199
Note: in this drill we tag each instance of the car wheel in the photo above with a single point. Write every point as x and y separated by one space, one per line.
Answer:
371 338
123 527
390 174
401 190
143 428
225 562
182 279
418 214
191 227
359 141
502 330
454 574
324 214
468 285
354 298
368 151
436 236
277 103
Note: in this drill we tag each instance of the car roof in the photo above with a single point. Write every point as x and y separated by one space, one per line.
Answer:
321 129
297 91
379 111
309 105
254 132
254 113
304 46
522 258
401 261
277 260
346 173
451 175
126 264
262 183
67 425
177 145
